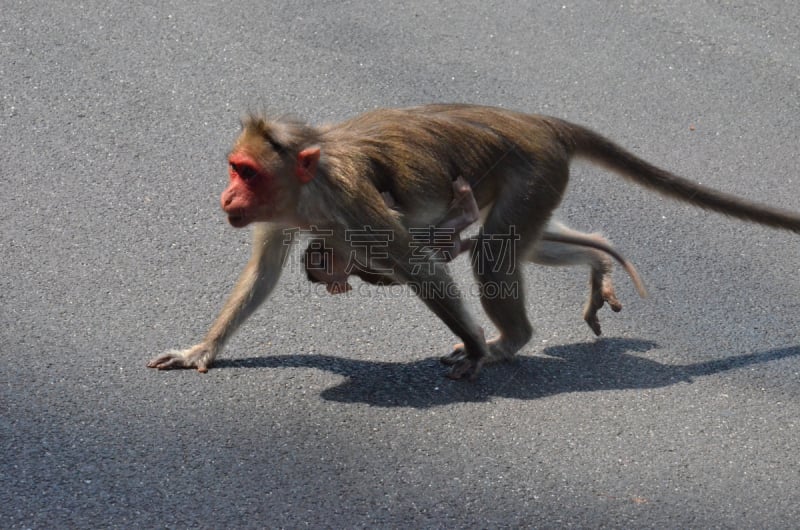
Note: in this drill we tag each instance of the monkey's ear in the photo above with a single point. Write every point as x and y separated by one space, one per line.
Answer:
306 168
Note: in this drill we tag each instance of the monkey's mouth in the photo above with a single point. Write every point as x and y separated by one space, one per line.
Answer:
238 220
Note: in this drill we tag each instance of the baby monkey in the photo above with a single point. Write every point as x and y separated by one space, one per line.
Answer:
327 267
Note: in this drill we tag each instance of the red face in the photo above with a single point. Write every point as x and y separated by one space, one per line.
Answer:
265 187
251 191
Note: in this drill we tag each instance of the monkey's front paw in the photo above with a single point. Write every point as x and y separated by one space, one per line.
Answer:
200 356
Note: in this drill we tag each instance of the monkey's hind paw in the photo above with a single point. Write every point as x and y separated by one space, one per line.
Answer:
456 356
199 357
596 303
466 368
612 301
462 367
594 324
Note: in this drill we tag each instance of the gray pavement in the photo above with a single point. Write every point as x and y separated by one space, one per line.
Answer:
115 118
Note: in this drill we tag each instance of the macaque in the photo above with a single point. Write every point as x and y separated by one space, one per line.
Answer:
287 174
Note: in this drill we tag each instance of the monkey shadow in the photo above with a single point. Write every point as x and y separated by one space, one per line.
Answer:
604 364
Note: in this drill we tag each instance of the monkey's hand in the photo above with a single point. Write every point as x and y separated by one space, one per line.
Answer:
199 356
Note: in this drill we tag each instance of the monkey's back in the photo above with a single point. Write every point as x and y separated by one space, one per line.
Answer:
418 151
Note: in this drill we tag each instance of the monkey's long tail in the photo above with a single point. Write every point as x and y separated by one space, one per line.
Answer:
595 147
627 265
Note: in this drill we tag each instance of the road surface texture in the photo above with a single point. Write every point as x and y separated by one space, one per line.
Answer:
115 119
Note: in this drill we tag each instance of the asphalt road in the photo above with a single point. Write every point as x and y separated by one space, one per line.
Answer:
115 118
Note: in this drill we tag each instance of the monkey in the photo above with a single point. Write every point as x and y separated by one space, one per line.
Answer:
285 173
324 266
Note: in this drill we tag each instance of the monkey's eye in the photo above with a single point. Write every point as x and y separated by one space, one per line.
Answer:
245 171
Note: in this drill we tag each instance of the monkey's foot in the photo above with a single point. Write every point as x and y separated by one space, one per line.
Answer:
461 365
199 356
465 368
497 353
461 189
605 295
454 357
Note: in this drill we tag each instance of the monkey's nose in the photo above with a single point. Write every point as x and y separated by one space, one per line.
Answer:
226 200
